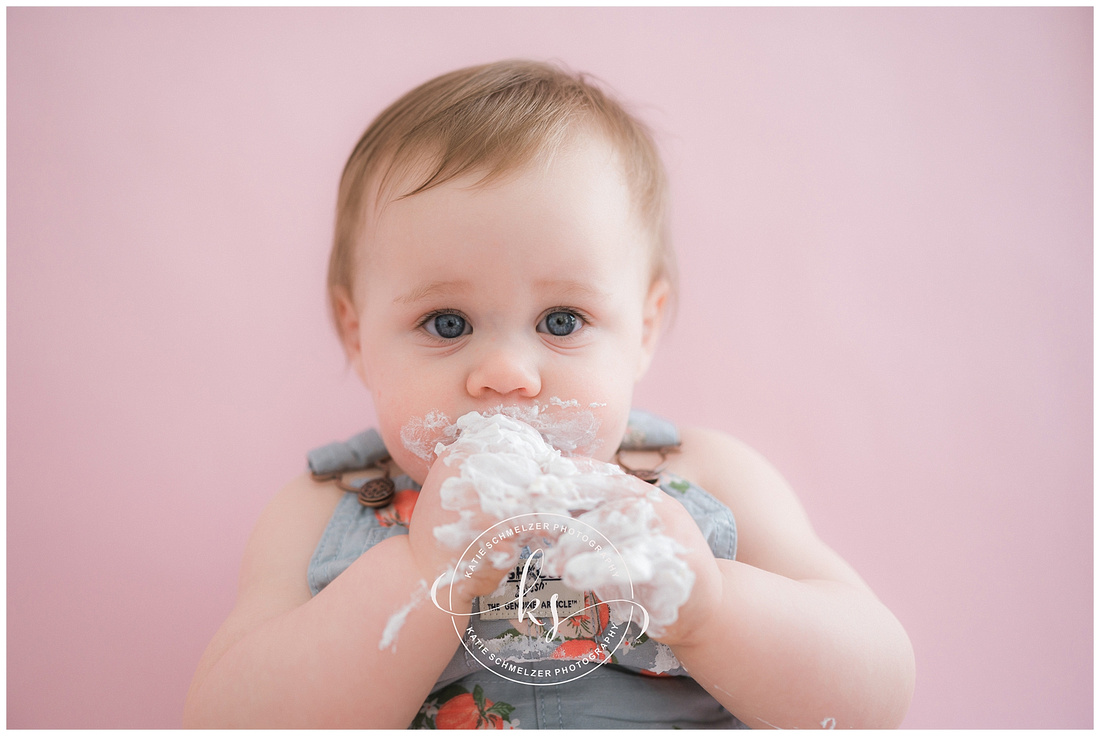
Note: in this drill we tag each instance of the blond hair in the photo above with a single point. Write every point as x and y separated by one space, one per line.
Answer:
493 119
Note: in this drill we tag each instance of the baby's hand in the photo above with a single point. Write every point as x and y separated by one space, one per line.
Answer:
658 559
493 470
439 535
696 556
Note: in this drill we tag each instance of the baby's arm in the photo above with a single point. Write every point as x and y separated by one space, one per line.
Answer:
286 659
794 639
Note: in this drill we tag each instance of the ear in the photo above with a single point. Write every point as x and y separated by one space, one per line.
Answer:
653 318
347 322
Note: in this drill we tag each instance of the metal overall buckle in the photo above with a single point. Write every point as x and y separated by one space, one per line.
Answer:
374 494
649 475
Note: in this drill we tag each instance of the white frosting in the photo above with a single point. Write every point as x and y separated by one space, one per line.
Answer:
397 620
420 435
512 463
562 424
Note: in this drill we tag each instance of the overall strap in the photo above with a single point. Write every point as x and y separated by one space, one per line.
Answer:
358 453
364 450
647 432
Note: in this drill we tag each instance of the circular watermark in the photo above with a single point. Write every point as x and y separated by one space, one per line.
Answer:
535 630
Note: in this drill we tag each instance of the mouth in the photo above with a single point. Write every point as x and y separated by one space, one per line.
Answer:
564 425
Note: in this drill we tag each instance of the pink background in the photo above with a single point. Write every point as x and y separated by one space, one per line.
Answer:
885 225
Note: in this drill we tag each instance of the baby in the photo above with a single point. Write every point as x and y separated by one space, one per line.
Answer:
515 545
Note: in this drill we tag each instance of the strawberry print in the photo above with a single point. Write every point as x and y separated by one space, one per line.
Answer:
462 709
603 611
400 511
579 625
591 622
579 649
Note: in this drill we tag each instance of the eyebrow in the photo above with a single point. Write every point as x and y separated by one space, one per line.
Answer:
567 288
432 289
571 289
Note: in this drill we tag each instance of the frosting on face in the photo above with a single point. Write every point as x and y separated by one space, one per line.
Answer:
564 425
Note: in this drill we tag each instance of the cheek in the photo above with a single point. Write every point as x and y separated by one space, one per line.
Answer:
411 423
611 434
411 450
612 393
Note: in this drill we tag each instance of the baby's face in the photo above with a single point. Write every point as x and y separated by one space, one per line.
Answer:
529 291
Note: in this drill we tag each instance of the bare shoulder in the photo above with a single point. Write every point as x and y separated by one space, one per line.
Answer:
773 530
731 470
276 558
284 538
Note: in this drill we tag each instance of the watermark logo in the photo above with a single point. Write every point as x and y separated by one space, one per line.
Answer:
533 629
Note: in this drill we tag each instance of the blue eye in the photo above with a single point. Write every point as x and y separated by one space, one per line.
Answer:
559 324
447 326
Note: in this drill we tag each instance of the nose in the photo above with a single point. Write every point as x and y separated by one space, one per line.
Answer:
504 371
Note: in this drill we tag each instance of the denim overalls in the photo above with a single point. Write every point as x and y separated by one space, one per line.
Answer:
627 684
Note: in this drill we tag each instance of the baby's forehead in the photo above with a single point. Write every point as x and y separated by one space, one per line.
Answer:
567 191
575 203
415 172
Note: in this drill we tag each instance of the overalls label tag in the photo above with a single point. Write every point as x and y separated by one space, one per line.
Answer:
550 594
526 592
